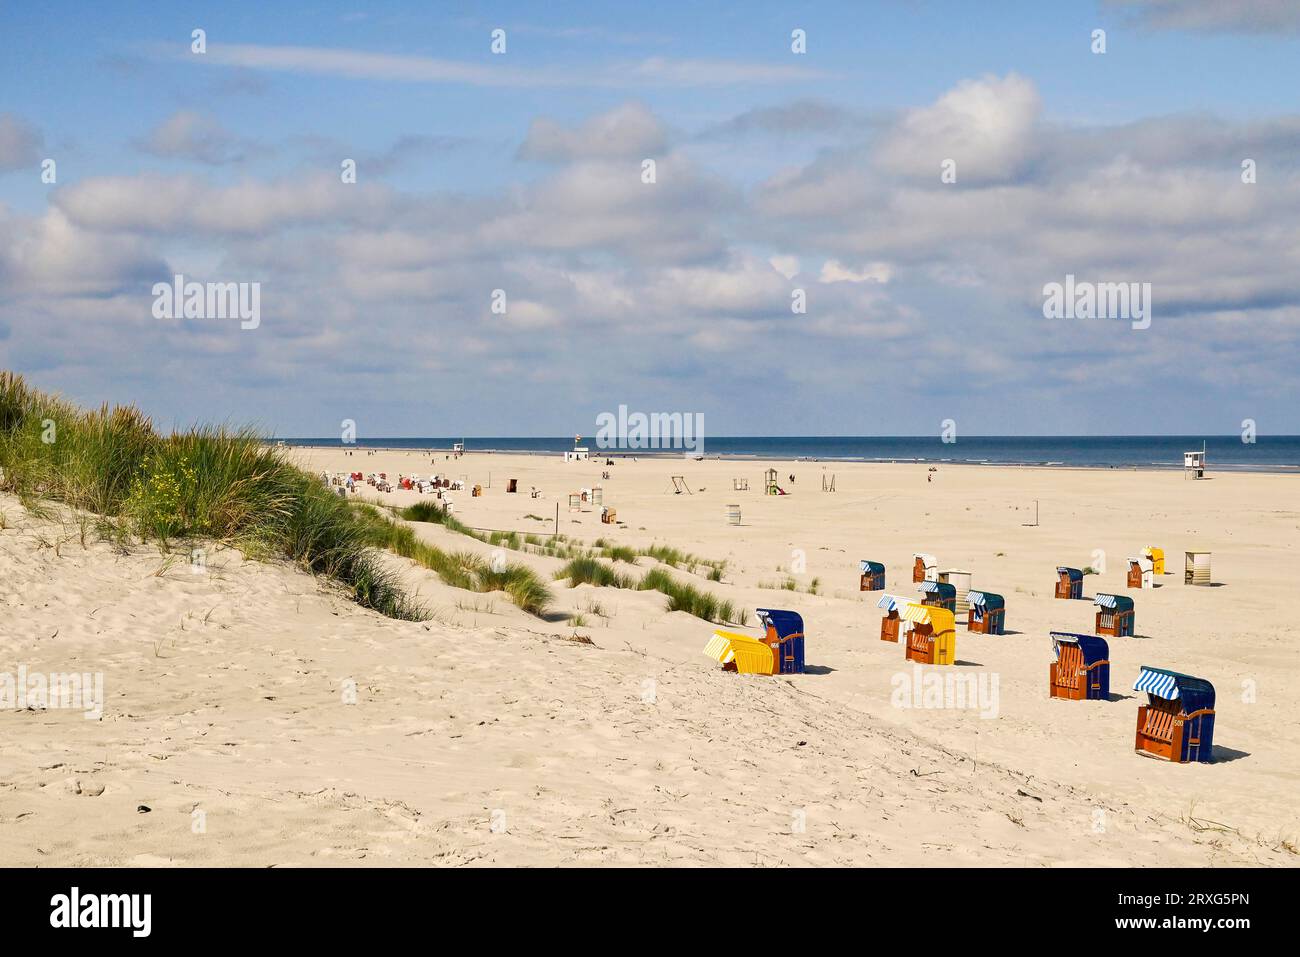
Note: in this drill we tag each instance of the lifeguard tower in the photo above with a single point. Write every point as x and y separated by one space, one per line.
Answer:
1194 463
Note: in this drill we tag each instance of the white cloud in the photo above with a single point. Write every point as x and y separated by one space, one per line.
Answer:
187 134
835 271
985 126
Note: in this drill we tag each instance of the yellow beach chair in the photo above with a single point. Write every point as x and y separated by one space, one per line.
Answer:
737 652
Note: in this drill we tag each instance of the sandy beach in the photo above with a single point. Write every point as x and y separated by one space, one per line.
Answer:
253 716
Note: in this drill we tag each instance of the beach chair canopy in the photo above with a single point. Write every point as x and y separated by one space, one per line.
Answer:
870 568
1116 603
940 619
1094 649
986 600
1152 552
929 561
788 624
943 589
1195 693
1143 564
1074 573
893 602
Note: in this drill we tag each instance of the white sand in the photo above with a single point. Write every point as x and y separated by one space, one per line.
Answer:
225 690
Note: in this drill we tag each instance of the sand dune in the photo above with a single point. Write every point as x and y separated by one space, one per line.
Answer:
489 736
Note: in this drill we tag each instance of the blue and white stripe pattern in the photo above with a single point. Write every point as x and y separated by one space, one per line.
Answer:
927 586
1157 683
975 598
1105 601
892 602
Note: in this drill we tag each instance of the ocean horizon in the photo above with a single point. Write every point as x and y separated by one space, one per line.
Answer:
1273 453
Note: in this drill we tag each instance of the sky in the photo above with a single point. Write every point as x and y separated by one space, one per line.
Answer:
836 220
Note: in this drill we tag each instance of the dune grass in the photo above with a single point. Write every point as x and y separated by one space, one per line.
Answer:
210 483
681 596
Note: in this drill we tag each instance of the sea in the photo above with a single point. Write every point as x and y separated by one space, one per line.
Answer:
1267 453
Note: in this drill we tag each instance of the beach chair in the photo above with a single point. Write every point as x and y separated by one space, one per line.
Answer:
872 576
1140 571
1081 671
778 652
1177 723
1114 615
1069 582
924 567
1157 558
939 595
512 486
891 623
933 638
986 614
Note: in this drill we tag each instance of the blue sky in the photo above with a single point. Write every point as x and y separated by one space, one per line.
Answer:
776 172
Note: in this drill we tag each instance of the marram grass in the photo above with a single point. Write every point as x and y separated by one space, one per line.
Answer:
201 483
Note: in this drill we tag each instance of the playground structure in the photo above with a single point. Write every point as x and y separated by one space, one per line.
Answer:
1140 571
1177 723
939 595
680 486
924 567
872 576
1069 582
933 638
779 651
769 484
1196 568
1081 671
892 622
1114 615
985 613
1157 556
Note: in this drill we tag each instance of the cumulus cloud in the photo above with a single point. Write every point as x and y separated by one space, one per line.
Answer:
984 126
189 135
678 292
628 131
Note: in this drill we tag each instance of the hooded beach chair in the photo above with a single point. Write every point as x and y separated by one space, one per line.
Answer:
1114 615
873 576
1157 557
939 594
779 651
986 614
924 567
933 638
890 624
1140 572
1081 671
1069 582
1177 723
